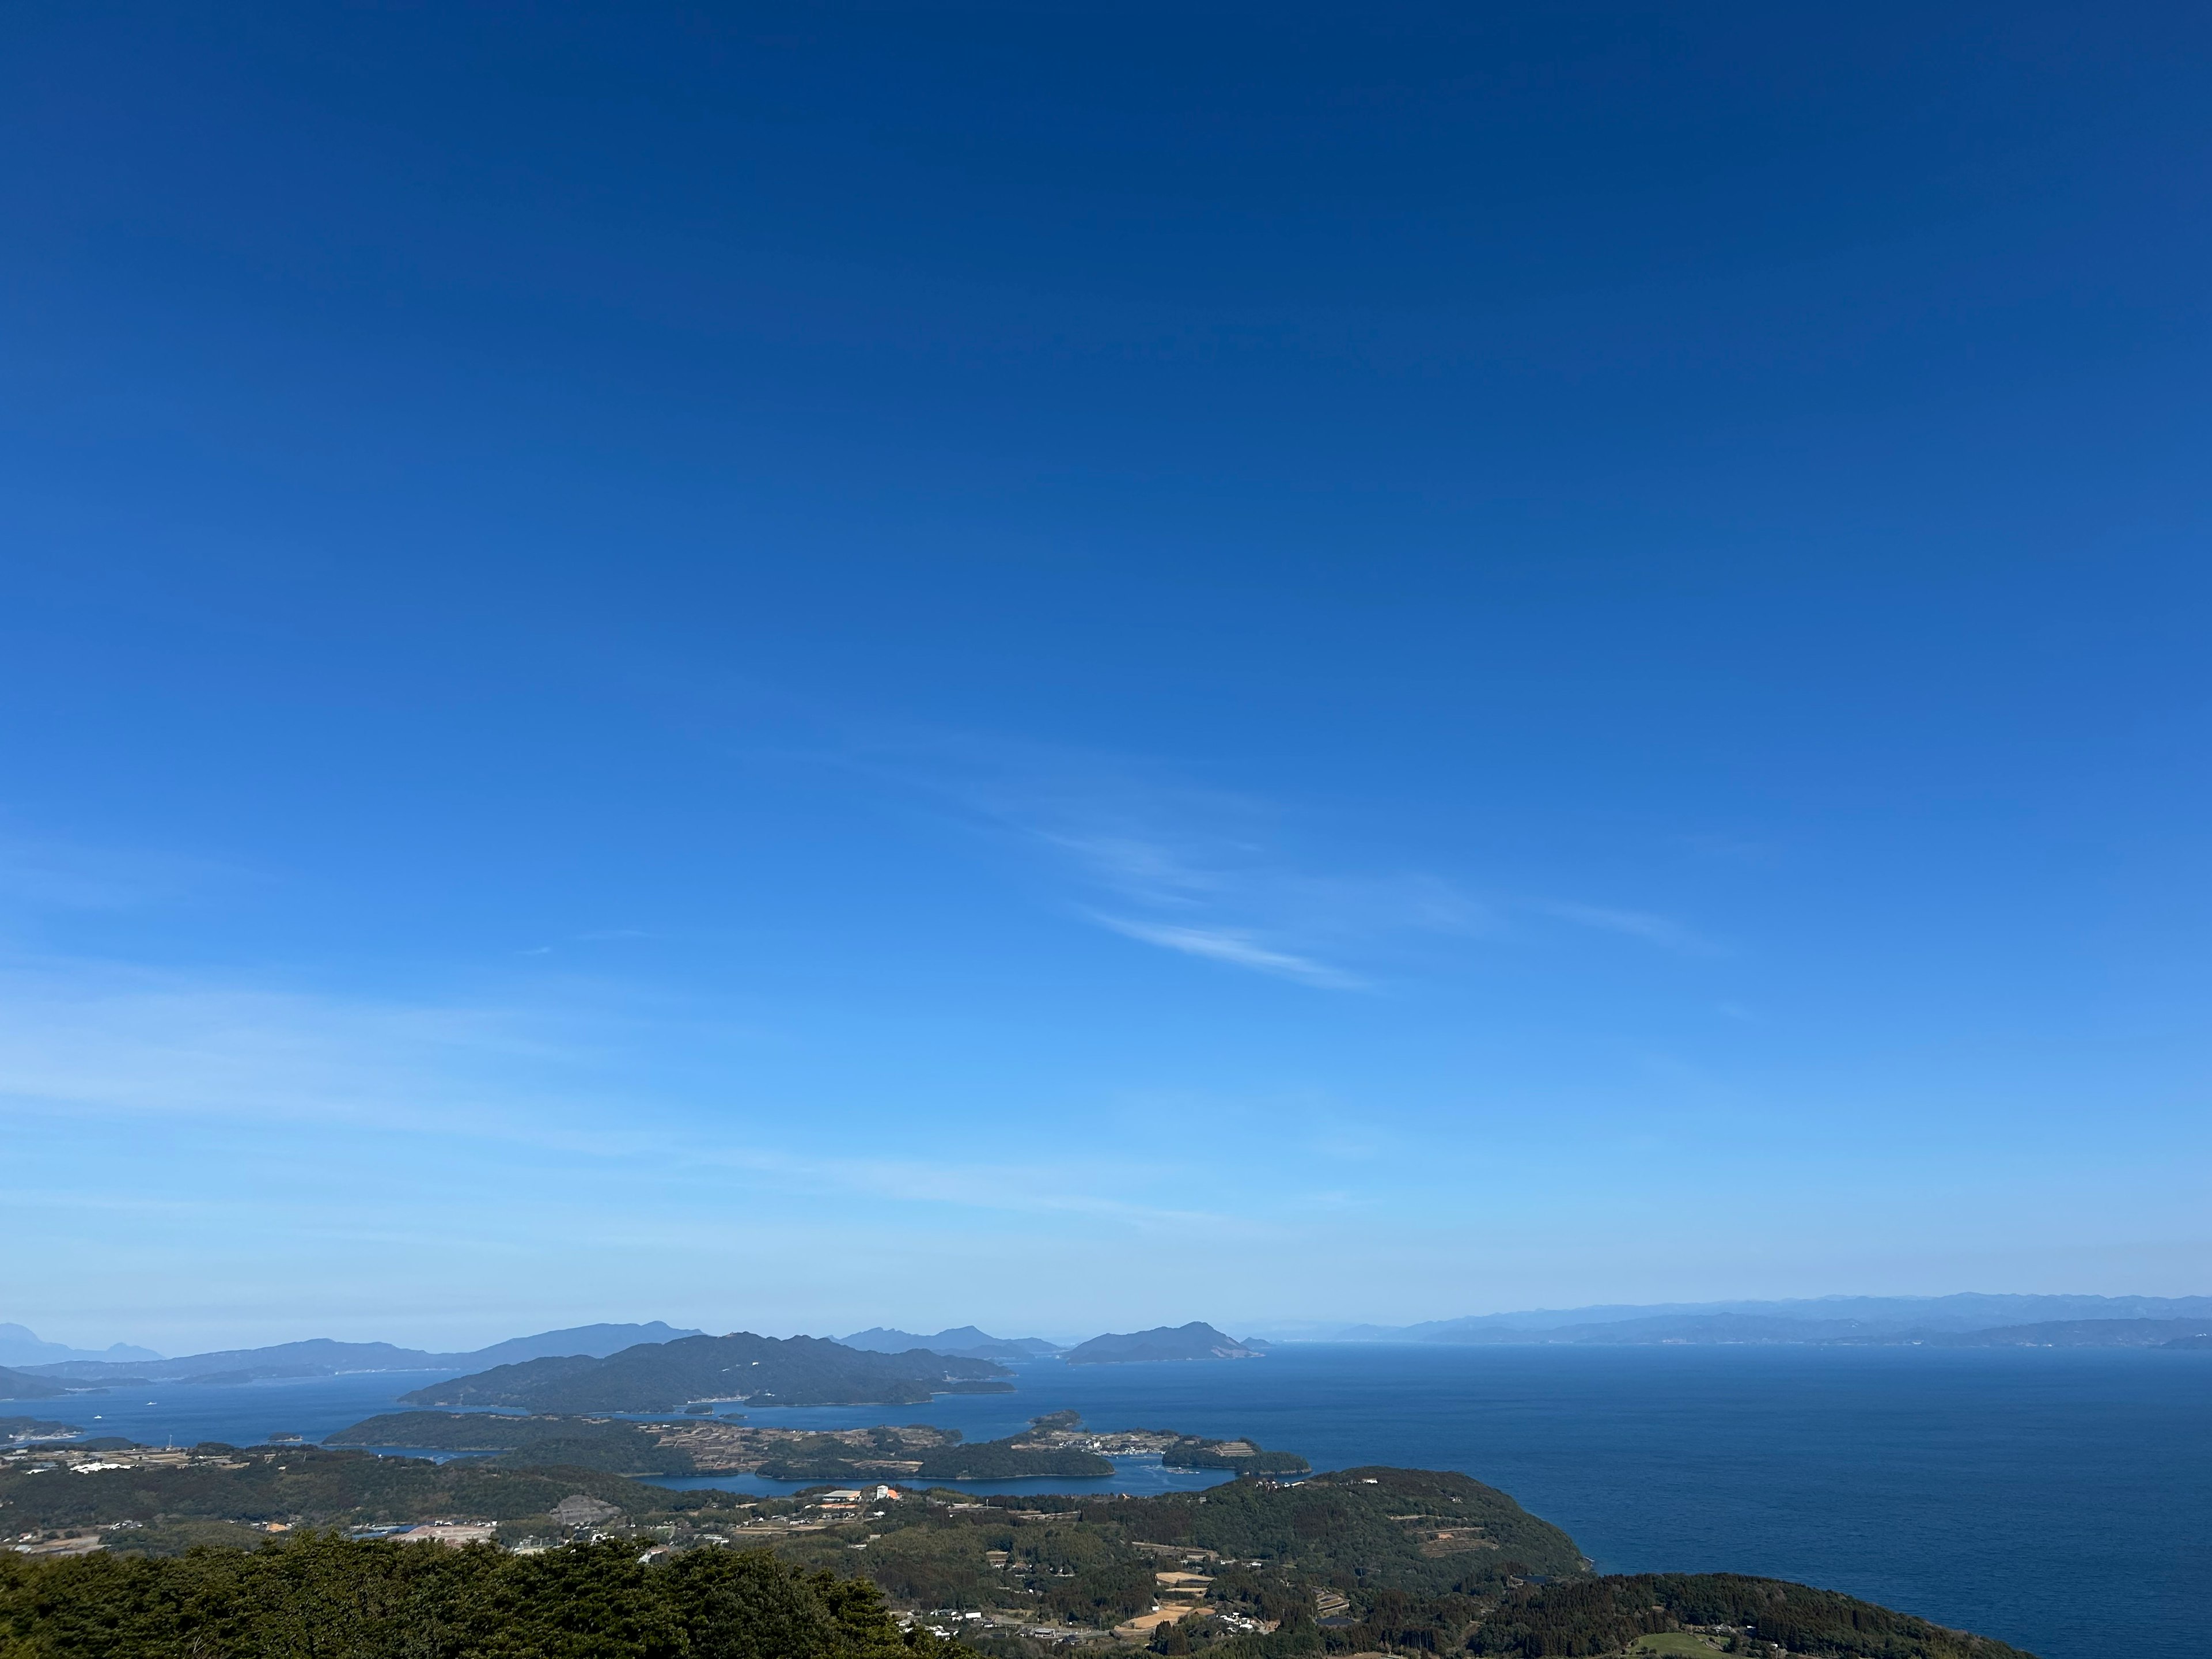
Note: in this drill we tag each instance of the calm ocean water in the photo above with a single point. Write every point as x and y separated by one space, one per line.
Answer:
2059 1499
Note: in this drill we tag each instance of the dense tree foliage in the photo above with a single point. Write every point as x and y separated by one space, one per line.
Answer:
322 1598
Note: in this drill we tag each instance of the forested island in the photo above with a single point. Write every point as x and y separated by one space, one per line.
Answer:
275 1551
1196 1340
663 1376
1052 1447
693 1446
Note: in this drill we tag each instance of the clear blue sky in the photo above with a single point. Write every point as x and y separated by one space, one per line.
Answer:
1078 665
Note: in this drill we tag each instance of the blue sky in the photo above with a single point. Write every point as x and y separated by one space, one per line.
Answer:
1075 666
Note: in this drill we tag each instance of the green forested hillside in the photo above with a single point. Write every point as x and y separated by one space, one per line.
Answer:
321 1598
1417 1528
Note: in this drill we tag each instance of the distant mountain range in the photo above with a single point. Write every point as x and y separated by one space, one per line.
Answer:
799 1370
961 1342
650 1367
1195 1340
320 1357
1968 1320
20 1346
563 1362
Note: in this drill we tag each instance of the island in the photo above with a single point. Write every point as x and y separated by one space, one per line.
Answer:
689 1446
1196 1340
666 1376
1056 1446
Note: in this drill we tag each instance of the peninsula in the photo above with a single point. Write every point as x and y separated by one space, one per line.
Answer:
15 1385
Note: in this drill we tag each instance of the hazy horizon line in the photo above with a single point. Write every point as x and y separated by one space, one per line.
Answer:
1278 1329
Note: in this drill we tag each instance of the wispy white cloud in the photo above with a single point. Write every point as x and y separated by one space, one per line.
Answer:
1204 872
1635 924
1221 945
1222 876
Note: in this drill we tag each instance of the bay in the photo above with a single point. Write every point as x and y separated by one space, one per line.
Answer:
2059 1499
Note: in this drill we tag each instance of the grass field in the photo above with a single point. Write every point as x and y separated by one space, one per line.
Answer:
1678 1644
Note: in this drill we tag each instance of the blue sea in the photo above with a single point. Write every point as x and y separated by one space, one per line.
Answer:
2059 1499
